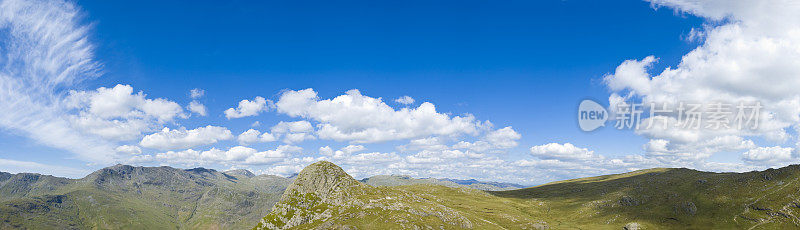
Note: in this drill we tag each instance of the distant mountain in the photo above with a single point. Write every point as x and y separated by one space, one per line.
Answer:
126 197
324 197
472 182
397 180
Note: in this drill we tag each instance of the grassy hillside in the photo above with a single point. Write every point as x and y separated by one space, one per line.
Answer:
651 199
125 197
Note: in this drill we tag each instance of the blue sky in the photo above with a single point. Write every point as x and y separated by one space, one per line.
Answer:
523 64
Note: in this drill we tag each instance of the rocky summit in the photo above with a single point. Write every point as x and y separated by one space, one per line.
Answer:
323 196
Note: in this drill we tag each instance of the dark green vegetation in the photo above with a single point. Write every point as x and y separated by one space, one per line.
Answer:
126 197
324 197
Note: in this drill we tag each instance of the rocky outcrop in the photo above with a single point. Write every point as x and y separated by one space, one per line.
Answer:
323 196
241 172
632 226
318 188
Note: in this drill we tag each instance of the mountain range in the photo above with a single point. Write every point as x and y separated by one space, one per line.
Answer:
323 196
126 197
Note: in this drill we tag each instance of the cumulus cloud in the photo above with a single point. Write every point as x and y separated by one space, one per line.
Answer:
750 52
182 138
406 100
197 108
253 136
564 151
361 119
248 137
503 138
118 113
345 152
769 156
121 102
129 149
248 108
236 155
293 132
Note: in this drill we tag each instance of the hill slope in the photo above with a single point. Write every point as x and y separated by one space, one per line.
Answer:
653 199
128 197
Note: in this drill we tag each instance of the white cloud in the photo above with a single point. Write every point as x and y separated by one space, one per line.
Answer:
750 52
129 149
197 108
252 136
248 137
248 108
293 132
196 93
111 129
293 127
267 137
233 156
406 100
428 143
558 151
503 138
372 158
45 50
769 156
118 113
345 152
181 138
361 119
121 102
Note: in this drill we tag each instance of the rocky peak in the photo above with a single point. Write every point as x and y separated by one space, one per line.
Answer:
317 188
241 172
324 179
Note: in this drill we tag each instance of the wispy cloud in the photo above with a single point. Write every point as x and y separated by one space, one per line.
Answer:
46 51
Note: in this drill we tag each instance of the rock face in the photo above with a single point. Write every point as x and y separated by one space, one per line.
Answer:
241 172
319 186
326 180
632 226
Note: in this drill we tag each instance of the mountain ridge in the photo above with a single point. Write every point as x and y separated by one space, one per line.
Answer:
124 196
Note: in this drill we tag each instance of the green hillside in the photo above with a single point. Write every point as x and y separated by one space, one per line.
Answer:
324 197
126 197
